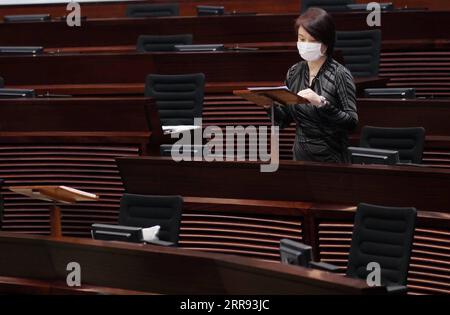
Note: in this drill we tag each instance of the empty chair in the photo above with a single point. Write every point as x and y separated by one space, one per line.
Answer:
147 211
152 10
328 5
148 43
361 51
179 98
409 142
2 83
383 235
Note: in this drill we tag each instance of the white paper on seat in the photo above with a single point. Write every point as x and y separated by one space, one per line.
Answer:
178 128
150 234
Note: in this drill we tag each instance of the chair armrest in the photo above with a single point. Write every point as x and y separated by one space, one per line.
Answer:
323 266
396 289
161 243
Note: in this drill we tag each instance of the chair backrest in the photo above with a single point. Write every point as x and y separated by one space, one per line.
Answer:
153 10
146 43
328 5
2 83
361 51
179 98
1 203
383 235
147 211
409 142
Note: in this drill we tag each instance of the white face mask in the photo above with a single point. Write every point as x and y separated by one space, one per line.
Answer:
310 51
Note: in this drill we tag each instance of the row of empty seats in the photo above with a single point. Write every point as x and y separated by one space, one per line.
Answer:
180 101
383 235
173 9
359 49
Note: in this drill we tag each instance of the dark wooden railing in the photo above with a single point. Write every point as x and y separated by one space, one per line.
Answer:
188 7
248 212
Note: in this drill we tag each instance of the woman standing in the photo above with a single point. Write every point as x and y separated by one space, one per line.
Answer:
324 123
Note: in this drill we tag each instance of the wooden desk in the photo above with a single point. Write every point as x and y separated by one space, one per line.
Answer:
232 110
72 142
424 30
80 119
37 120
187 7
153 269
412 56
114 68
423 188
75 114
38 147
86 160
57 195
125 73
125 31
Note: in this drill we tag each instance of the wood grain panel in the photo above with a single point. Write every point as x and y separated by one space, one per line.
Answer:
253 235
426 71
187 7
91 168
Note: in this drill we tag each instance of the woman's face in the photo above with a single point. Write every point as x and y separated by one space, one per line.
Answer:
305 37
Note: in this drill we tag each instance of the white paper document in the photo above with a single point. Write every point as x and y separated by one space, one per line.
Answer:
269 88
178 128
150 234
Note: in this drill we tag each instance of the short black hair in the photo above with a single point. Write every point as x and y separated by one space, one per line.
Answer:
320 25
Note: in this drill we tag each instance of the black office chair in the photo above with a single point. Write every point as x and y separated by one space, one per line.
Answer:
152 10
2 83
147 211
383 235
361 51
1 203
146 43
179 98
328 5
409 142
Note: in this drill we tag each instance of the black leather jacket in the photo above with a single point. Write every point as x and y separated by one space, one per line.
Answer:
322 132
